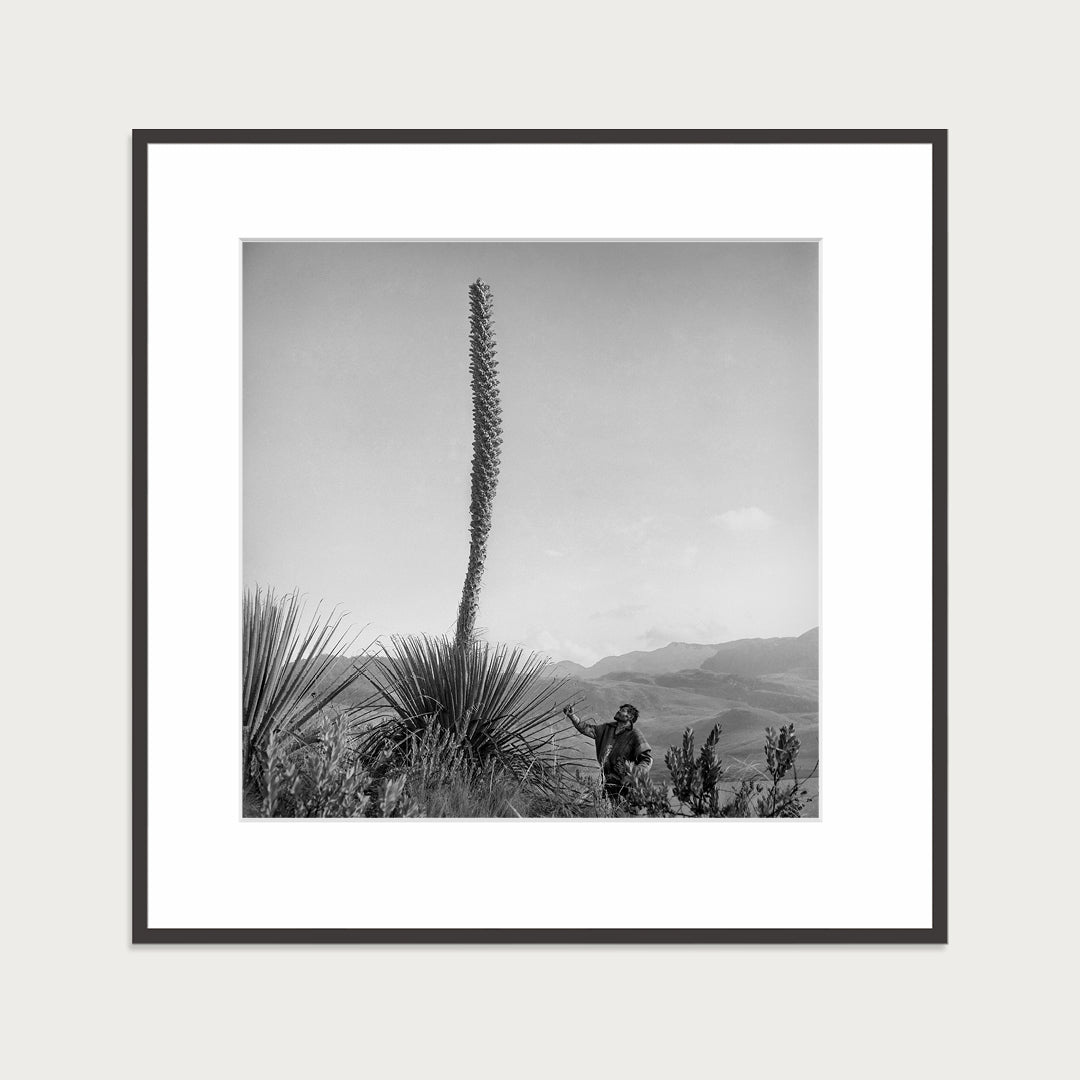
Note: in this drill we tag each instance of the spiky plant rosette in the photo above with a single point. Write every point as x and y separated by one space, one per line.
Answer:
292 671
496 703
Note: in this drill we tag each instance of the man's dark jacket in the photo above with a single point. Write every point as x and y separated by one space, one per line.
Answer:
618 752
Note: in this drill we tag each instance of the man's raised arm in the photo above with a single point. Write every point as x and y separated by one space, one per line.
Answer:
584 726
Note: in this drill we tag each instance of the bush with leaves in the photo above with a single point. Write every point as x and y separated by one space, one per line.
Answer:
640 797
780 800
321 775
694 780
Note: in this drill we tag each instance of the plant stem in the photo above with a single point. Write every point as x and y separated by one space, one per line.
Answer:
487 439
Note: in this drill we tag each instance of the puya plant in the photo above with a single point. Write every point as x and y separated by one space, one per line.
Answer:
496 702
695 780
493 703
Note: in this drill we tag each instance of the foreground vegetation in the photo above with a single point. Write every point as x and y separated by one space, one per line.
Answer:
329 772
454 730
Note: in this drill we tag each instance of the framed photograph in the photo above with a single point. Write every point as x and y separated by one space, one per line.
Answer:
539 536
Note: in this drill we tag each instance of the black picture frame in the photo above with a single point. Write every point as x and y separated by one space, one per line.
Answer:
142 933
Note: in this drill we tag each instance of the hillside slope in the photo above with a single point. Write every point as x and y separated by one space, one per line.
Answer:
766 656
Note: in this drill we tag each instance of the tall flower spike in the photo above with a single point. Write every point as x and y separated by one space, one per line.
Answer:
487 439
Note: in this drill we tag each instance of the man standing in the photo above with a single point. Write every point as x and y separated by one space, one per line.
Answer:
621 749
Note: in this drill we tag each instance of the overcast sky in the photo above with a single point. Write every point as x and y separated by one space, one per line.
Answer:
660 460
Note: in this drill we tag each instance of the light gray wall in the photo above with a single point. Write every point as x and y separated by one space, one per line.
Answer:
997 1001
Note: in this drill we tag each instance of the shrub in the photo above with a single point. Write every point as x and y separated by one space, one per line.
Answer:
323 776
642 798
694 782
781 750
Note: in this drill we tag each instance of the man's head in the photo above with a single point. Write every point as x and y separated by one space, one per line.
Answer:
627 714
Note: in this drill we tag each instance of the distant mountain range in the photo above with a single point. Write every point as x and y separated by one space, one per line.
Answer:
747 656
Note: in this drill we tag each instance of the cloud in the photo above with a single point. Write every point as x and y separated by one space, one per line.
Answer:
748 519
551 553
561 648
623 611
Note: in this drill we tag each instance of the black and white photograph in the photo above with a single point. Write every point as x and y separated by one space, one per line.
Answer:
530 529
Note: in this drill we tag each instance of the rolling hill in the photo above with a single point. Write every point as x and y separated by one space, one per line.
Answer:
766 656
